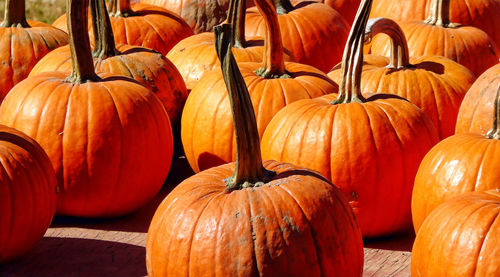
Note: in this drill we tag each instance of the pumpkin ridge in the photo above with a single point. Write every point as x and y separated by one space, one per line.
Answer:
252 231
488 228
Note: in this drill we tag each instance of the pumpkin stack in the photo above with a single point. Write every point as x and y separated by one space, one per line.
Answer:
108 137
253 218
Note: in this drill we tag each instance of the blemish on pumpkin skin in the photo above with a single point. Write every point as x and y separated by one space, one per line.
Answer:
290 225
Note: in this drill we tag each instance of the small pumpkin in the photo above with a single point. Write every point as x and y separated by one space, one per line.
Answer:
23 44
206 130
369 147
28 189
108 138
313 32
435 84
460 238
253 218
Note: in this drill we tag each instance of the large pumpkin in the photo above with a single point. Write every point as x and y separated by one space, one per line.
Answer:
460 238
267 219
28 189
369 147
435 84
476 112
23 44
313 32
148 67
448 170
346 8
206 130
438 36
108 138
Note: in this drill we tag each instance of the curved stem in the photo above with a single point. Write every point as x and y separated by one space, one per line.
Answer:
494 133
120 8
248 171
273 60
15 14
81 55
104 40
352 60
236 17
400 56
439 14
284 6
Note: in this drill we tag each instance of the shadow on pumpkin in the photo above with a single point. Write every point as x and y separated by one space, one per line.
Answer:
69 257
208 160
402 241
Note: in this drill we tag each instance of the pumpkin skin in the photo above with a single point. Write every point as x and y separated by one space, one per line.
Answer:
28 191
476 112
346 8
482 14
273 229
110 142
460 238
314 33
21 48
447 171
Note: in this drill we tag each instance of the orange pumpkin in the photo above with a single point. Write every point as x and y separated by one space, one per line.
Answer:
435 84
149 68
460 238
23 44
108 138
313 32
206 130
476 112
346 8
369 147
264 220
438 36
28 189
448 170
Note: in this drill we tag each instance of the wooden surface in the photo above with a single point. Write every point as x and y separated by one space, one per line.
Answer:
116 247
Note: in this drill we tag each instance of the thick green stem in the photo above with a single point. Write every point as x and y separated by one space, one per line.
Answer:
120 8
352 60
284 6
236 17
104 40
273 60
15 15
249 171
494 133
439 14
81 55
400 57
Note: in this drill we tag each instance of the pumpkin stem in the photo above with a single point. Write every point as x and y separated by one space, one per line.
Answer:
400 56
352 59
439 14
236 17
248 171
284 6
15 14
81 55
494 133
120 8
273 61
104 40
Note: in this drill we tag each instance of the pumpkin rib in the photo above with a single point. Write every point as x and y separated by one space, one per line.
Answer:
252 231
484 236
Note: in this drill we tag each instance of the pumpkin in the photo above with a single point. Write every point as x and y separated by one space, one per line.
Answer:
195 55
253 218
148 67
435 84
369 147
460 238
482 14
23 44
201 15
313 32
346 8
476 112
206 130
438 36
447 170
108 137
143 25
28 189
